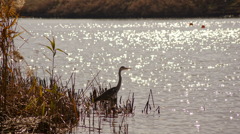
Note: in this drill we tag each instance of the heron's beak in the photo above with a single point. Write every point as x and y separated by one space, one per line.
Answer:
126 68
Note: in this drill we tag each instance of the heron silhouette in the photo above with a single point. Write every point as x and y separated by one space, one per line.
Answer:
111 93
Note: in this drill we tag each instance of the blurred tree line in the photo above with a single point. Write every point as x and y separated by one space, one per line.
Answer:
130 8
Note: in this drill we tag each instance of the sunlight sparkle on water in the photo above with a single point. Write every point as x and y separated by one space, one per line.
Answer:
194 71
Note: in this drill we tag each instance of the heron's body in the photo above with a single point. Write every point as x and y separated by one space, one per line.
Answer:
107 95
112 92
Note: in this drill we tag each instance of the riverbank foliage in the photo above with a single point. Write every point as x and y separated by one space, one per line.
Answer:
130 8
28 103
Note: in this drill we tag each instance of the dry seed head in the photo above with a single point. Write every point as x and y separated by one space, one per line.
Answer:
17 56
29 72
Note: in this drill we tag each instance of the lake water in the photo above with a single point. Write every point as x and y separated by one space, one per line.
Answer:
194 72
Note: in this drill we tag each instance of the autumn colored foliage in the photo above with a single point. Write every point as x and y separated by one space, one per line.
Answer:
130 8
29 104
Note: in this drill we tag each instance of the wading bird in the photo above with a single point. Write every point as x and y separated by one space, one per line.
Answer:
111 93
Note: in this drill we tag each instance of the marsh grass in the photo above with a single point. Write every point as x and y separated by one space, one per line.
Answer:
28 103
150 107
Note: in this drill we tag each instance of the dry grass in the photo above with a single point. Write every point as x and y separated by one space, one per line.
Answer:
34 103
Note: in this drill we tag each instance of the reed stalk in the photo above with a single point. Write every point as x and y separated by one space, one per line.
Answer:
148 107
8 32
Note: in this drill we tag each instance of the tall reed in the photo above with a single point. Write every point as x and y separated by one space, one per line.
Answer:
9 55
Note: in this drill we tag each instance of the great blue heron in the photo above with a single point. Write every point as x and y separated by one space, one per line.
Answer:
111 93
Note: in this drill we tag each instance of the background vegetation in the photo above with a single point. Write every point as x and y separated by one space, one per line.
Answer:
130 8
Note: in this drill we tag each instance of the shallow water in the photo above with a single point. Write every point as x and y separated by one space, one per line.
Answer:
193 72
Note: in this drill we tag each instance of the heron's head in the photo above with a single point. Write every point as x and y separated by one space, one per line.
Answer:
124 68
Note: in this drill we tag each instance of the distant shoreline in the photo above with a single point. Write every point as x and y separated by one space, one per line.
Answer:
127 9
217 17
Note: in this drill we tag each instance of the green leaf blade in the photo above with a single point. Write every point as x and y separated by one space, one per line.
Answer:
58 49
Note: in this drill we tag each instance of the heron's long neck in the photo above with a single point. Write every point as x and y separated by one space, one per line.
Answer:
120 80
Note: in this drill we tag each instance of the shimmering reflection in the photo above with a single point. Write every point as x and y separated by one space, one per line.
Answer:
193 71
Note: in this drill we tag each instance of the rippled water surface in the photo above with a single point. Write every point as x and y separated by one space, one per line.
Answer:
194 72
